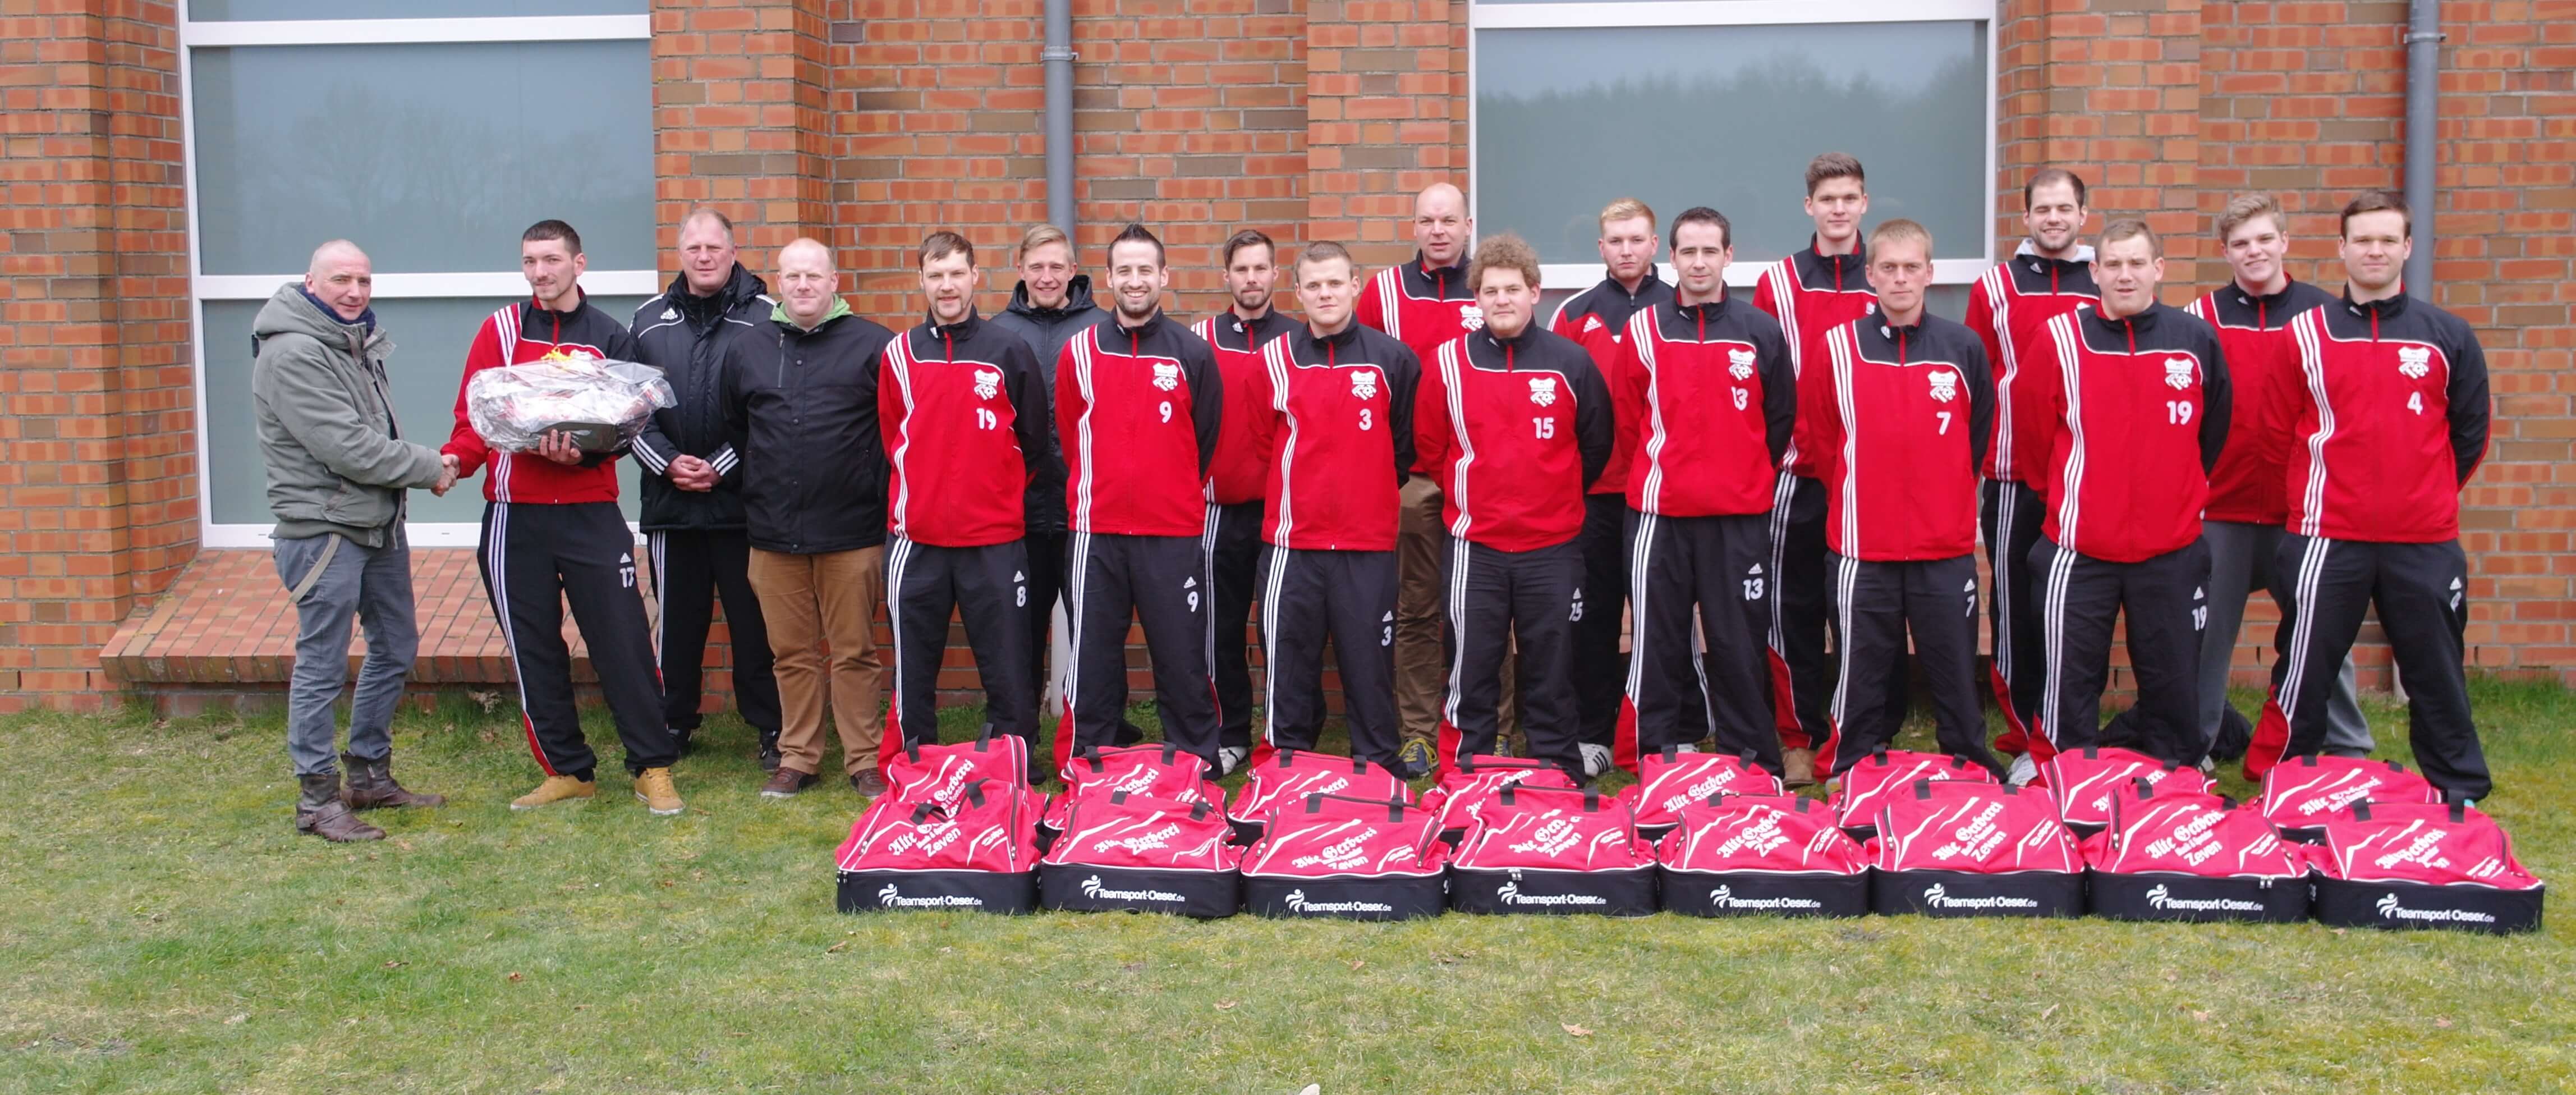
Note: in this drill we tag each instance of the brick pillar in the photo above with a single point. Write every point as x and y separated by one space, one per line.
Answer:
739 101
97 428
2111 90
1385 117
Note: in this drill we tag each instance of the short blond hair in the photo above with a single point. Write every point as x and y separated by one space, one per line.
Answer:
1040 235
2246 207
1628 209
1503 252
2131 229
1900 230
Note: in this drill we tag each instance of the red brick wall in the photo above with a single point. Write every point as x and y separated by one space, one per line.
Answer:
97 435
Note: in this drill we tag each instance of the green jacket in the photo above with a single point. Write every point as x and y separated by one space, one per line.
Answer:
326 423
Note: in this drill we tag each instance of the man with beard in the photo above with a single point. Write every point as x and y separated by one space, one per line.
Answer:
1598 318
957 405
1516 423
2009 309
1234 511
2388 415
1811 293
1334 413
2248 499
1139 404
692 519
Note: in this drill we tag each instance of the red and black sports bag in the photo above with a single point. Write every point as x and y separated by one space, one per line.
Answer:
977 852
1874 779
1553 850
1761 855
2422 865
1963 848
1130 853
2172 854
1347 858
939 773
2299 795
1284 779
1151 771
1669 780
2084 781
1475 781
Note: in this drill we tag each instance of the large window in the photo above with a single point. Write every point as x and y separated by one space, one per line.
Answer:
431 143
1722 103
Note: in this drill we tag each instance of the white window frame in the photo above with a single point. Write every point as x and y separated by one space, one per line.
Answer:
205 287
1735 13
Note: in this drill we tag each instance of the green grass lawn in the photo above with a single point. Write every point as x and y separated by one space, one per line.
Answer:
164 929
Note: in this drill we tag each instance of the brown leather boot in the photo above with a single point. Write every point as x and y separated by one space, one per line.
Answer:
320 812
371 784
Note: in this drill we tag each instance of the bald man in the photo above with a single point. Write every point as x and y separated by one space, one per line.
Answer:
800 406
338 470
1424 303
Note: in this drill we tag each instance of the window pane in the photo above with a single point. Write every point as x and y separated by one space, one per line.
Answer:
1728 116
433 157
210 11
430 338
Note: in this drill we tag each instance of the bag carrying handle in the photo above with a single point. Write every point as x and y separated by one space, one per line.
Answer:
922 812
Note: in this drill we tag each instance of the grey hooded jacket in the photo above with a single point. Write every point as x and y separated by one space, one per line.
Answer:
335 460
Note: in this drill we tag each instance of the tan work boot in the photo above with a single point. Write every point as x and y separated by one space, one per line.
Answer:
653 788
1797 767
555 789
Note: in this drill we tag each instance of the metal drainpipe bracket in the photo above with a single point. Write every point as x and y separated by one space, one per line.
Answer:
2410 37
1054 54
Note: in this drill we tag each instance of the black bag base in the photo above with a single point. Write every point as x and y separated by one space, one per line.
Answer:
2166 895
2404 905
1556 893
1013 893
1074 887
1963 893
1392 897
1764 893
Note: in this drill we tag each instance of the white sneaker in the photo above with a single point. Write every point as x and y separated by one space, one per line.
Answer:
2023 771
1596 759
1229 758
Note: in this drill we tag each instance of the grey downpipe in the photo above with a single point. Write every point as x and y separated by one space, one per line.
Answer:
2423 110
1058 56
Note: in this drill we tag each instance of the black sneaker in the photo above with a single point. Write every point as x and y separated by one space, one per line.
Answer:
1128 733
770 758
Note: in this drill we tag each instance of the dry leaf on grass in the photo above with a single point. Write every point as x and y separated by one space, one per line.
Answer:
1358 962
1225 1005
837 948
395 963
517 976
1579 1032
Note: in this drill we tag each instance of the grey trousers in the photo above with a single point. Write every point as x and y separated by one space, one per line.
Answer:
368 585
2240 561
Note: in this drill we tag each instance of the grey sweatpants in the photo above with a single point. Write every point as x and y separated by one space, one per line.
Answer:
369 585
2240 561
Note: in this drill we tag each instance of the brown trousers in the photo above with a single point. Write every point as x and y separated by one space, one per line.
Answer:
809 600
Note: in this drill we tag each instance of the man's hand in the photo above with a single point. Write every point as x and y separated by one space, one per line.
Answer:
448 466
559 447
692 473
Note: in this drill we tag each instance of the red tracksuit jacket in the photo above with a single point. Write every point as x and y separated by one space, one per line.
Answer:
1138 409
1899 417
1597 319
524 332
1708 396
1235 474
2136 413
1422 305
1812 296
1515 432
1334 416
2387 412
959 408
2254 332
2009 309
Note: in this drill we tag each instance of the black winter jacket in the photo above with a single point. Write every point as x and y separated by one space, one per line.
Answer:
1046 330
680 333
801 408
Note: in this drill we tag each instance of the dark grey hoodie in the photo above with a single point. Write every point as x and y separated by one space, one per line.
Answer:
1046 330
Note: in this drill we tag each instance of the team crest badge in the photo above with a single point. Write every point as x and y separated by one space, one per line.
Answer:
1543 391
1364 384
1471 318
987 382
1739 364
2178 373
1167 376
1945 385
2414 361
